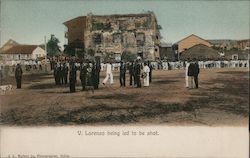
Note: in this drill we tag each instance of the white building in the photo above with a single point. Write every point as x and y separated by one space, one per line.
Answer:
23 52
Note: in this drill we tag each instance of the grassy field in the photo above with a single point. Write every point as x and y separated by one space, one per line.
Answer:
222 99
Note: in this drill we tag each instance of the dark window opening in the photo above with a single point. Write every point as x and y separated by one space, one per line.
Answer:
97 38
140 39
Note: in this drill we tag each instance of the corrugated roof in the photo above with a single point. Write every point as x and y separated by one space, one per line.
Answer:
21 49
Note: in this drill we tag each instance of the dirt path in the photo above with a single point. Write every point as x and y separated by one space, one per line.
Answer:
222 99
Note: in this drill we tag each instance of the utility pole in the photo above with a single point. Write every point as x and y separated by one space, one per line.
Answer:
45 44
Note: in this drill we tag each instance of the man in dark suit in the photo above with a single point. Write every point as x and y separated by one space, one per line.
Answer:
18 76
72 77
131 74
191 75
65 73
122 74
196 71
83 71
138 73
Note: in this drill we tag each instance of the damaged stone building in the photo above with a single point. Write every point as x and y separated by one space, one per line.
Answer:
116 34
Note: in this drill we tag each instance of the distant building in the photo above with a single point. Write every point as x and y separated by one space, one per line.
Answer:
191 41
200 52
9 44
244 44
101 34
237 55
224 44
23 52
167 52
75 31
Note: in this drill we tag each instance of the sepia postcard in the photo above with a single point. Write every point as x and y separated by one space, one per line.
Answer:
124 78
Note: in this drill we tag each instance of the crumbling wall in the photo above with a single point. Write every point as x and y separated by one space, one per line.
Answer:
116 34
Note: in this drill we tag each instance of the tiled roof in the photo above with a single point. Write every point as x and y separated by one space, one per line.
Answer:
201 52
21 49
10 43
191 36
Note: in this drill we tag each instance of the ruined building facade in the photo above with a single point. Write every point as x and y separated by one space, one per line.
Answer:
133 33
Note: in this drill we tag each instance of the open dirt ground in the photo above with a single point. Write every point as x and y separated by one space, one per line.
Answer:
222 99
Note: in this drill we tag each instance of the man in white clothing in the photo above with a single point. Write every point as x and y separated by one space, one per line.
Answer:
109 74
146 71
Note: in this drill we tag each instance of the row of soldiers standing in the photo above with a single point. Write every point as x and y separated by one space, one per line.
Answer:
89 74
61 73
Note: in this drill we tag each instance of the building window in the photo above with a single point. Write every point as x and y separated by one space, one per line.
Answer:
117 38
140 38
97 38
235 57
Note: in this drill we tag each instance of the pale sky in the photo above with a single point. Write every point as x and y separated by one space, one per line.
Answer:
28 21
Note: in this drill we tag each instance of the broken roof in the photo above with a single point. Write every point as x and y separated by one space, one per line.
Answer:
111 15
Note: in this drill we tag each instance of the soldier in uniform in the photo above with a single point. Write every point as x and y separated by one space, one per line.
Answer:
57 74
61 76
83 71
131 74
89 78
72 77
122 74
138 74
93 75
97 73
65 73
18 76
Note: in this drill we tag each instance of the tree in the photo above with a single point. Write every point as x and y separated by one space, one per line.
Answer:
52 46
69 50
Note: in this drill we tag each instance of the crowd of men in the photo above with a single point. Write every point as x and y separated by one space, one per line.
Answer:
137 71
172 65
140 73
90 74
